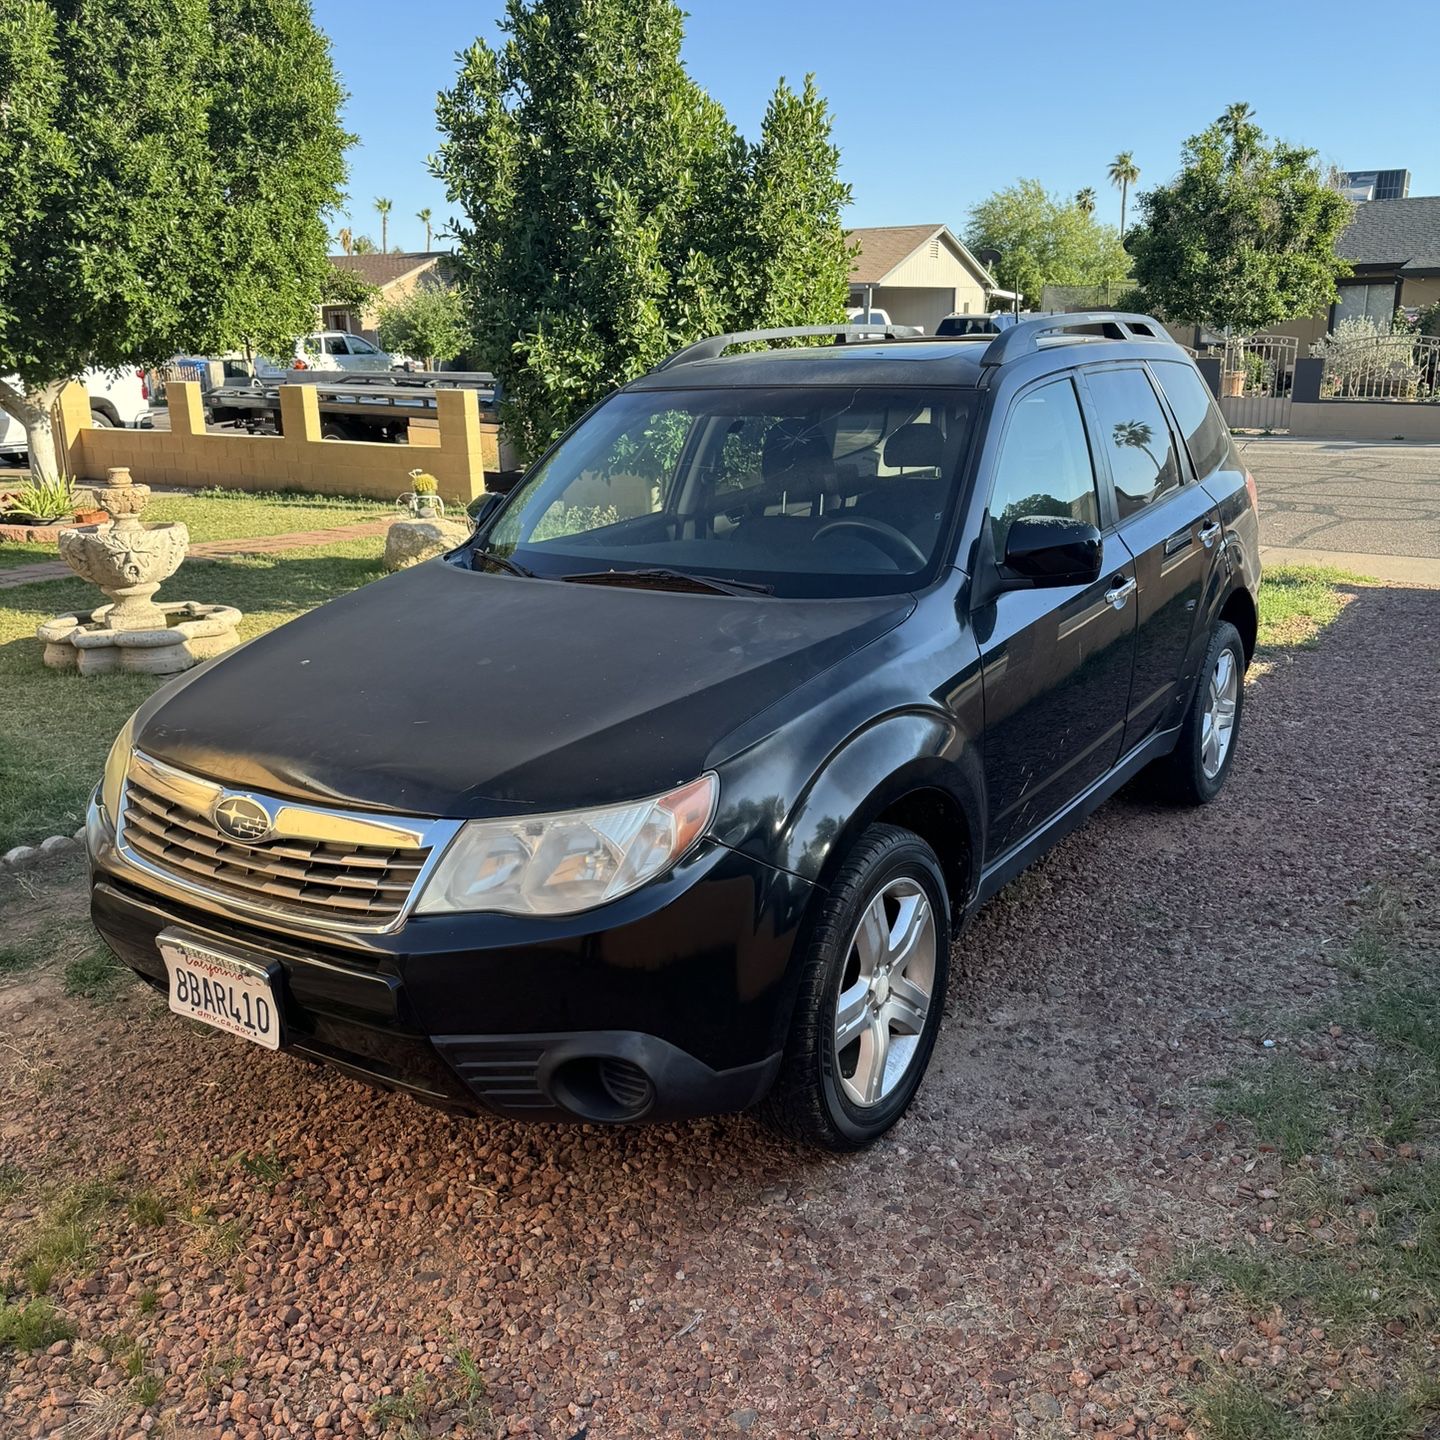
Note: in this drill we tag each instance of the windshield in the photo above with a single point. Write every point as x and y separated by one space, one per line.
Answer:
817 491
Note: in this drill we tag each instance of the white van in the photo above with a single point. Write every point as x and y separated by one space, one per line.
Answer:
118 399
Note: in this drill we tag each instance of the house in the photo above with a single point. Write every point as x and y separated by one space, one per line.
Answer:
1393 247
394 276
917 274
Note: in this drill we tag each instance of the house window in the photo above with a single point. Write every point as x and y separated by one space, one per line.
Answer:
1366 302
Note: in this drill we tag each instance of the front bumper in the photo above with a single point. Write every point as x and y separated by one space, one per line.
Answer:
671 1002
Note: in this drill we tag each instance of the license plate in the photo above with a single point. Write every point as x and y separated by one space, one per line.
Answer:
232 994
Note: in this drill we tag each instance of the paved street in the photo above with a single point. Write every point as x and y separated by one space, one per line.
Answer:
1374 508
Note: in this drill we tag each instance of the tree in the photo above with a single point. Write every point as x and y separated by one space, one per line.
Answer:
362 245
610 212
1044 240
428 323
346 239
344 289
1085 199
1244 236
168 171
423 216
383 208
1124 173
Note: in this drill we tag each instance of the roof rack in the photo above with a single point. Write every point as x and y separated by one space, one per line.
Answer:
715 345
1024 337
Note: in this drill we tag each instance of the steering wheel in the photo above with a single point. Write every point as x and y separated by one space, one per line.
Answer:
895 543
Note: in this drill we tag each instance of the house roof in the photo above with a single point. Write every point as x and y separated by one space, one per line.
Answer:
884 247
383 270
1403 235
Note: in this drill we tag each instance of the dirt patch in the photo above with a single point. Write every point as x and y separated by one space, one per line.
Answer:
291 1255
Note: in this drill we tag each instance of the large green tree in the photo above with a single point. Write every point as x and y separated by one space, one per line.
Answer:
1043 240
611 212
1244 236
166 173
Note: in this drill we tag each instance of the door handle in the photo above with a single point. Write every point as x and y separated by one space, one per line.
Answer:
1179 541
1210 533
1118 594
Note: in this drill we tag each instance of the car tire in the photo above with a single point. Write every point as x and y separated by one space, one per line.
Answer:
1194 772
885 910
99 420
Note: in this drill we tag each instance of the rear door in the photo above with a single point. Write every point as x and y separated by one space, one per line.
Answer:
1169 524
1055 662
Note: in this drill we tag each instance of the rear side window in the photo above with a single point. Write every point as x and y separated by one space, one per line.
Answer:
1206 437
1044 467
1136 436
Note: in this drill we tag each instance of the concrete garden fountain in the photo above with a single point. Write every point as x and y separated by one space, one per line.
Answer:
128 560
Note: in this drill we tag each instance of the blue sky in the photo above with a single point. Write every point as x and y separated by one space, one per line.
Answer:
929 115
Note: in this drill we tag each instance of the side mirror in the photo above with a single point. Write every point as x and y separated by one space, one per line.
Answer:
482 507
1050 551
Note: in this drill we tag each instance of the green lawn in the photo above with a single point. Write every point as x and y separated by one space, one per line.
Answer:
56 727
231 515
1297 602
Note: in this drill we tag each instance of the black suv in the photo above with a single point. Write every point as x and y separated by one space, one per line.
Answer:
667 791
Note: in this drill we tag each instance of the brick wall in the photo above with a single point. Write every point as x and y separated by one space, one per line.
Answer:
187 456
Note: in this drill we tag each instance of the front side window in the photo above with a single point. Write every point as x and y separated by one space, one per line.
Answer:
1206 436
810 491
1044 466
361 347
1135 435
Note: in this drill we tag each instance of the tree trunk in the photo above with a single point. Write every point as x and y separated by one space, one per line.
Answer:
34 408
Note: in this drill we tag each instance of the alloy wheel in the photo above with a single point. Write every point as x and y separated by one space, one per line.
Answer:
1218 725
885 992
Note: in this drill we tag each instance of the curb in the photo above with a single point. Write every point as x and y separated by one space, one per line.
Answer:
24 856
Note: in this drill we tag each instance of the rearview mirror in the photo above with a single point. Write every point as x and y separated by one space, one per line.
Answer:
1047 550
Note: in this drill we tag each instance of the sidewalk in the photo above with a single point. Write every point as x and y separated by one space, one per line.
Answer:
212 550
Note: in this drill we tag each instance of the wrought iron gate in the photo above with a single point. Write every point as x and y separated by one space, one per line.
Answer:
1256 376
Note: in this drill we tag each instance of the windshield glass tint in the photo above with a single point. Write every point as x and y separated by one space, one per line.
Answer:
822 491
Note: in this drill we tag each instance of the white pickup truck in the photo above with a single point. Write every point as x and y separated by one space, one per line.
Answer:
117 398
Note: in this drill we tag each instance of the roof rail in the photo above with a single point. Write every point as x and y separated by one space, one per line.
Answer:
1023 338
715 345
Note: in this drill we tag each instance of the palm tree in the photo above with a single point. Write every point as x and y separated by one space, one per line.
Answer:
382 208
1085 200
362 245
423 216
1236 115
1237 125
1124 172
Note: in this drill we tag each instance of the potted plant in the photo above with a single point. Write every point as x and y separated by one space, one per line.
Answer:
422 499
41 502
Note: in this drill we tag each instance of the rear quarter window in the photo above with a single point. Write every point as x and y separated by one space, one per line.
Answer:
1206 436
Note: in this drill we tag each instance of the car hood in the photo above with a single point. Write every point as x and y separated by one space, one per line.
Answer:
447 691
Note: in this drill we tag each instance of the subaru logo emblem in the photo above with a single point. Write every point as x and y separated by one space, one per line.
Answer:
241 818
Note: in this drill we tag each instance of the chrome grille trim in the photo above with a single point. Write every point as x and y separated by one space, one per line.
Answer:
319 869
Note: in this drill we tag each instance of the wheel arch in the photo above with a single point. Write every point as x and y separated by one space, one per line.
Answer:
1239 609
102 406
912 770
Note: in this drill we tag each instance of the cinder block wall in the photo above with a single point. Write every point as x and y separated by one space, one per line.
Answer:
297 460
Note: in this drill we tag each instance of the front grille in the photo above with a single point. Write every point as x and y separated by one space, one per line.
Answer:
335 881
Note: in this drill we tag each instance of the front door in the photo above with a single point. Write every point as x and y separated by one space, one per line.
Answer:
1055 662
1170 526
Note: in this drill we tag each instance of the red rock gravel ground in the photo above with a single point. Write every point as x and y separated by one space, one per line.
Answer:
329 1262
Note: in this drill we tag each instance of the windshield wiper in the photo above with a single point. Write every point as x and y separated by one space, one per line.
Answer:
662 579
503 561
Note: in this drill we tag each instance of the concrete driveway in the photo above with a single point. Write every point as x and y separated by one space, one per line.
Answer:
1370 508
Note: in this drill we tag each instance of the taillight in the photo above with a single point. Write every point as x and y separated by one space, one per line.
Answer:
144 384
1251 491
299 364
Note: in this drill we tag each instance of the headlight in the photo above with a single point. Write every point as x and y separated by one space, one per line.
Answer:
112 784
562 864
